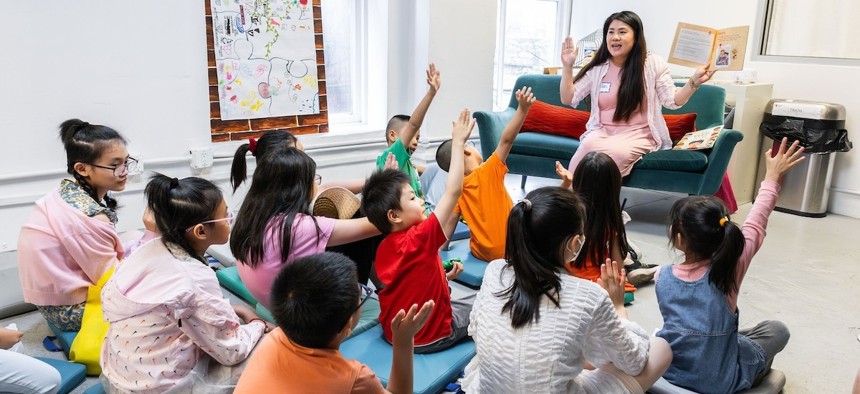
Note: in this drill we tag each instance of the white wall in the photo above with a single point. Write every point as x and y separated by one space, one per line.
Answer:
816 82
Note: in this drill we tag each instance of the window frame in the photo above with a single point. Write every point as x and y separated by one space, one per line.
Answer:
562 29
761 37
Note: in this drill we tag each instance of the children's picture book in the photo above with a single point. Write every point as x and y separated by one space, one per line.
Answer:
696 46
698 140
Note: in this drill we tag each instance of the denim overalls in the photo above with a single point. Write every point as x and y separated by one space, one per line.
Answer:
708 354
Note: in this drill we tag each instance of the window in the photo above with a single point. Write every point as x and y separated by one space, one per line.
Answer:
343 41
820 29
529 39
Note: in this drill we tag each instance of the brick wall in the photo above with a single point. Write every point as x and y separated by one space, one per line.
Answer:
242 129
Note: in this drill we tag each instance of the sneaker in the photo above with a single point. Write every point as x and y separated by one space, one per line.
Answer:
641 276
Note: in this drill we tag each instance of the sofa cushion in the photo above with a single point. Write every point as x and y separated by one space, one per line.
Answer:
545 145
674 160
552 119
679 125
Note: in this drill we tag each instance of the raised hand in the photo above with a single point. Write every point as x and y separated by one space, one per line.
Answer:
434 78
782 159
525 98
463 126
568 52
390 162
702 75
455 271
564 174
612 278
405 324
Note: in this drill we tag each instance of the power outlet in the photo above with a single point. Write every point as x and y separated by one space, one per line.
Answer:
201 158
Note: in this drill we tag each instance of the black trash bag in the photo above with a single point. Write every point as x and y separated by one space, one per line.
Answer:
814 135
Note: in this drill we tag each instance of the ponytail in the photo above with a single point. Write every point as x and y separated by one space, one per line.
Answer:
239 169
538 227
708 233
180 204
258 148
85 143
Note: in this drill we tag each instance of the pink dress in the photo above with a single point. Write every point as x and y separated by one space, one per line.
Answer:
625 141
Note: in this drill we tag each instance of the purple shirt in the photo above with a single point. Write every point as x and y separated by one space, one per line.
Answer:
304 242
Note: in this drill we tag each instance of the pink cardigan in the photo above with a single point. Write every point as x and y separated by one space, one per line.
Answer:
61 252
659 93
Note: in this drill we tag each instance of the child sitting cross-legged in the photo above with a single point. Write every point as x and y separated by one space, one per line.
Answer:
407 260
485 202
317 302
171 329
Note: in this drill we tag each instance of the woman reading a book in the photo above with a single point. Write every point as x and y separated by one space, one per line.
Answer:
628 88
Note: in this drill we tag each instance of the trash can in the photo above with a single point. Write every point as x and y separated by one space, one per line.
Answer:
820 128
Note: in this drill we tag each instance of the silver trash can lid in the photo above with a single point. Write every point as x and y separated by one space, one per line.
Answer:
805 109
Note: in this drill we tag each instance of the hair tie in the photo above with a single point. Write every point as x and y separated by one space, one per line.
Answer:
82 126
174 183
723 221
527 203
252 146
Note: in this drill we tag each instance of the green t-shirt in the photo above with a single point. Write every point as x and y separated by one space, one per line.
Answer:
404 163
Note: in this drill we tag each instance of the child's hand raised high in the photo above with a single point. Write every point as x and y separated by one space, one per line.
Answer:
405 324
434 78
525 98
781 160
463 127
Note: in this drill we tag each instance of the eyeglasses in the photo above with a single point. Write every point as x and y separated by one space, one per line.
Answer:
230 218
130 165
318 179
471 144
366 292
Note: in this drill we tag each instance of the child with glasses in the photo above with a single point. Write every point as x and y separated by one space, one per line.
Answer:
170 325
317 303
538 329
70 239
485 202
275 225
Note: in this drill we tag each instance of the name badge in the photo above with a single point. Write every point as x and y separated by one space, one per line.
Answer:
604 87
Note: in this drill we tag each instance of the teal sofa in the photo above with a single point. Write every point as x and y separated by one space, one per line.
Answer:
690 172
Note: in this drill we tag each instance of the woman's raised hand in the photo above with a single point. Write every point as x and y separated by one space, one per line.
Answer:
568 52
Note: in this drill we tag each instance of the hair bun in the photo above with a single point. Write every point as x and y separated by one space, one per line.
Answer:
174 183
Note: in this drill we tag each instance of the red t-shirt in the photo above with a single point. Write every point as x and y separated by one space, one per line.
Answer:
408 263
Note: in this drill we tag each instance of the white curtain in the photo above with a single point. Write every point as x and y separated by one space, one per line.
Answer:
821 28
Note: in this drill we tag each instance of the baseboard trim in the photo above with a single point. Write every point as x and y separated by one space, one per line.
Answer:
844 202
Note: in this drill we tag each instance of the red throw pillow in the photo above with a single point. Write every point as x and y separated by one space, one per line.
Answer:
552 119
679 125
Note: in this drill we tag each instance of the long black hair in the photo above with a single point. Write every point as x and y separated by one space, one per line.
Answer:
85 143
708 232
631 91
178 204
281 188
538 228
598 181
268 141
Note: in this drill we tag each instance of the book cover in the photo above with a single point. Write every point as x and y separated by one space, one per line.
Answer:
722 50
698 140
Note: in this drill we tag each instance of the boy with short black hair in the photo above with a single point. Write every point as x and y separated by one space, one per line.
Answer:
485 202
407 260
403 131
316 302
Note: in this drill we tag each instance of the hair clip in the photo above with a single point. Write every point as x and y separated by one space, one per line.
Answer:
723 221
252 146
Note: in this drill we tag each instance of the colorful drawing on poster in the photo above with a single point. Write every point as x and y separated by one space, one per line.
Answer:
265 57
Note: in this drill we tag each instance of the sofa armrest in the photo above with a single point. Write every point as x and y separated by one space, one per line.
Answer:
718 160
490 127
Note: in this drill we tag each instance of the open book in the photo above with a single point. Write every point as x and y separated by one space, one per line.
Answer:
696 140
696 46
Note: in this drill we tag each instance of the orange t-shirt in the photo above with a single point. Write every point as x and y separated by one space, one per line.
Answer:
486 204
280 365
